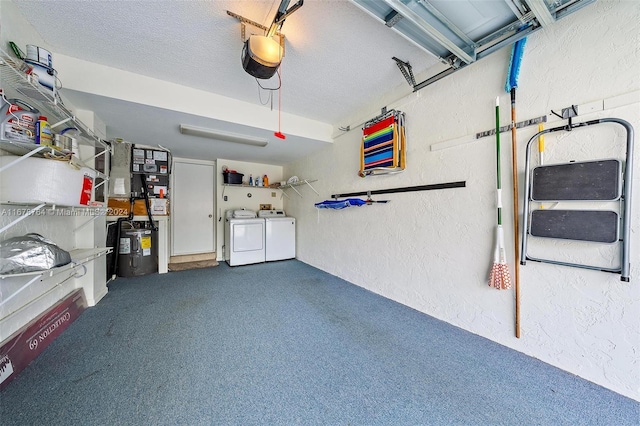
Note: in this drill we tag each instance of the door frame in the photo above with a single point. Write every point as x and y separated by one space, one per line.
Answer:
215 201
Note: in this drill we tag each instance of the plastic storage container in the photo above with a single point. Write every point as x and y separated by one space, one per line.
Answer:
52 182
234 178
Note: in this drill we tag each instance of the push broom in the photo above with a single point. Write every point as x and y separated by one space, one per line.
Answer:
499 276
511 86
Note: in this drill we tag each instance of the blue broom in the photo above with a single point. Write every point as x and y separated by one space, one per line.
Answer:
511 85
514 67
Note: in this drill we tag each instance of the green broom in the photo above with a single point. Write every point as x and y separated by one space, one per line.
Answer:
499 277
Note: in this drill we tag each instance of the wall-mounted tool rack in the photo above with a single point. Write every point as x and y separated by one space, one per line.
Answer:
448 185
596 181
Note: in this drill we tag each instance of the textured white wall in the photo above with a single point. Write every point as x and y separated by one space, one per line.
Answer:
433 250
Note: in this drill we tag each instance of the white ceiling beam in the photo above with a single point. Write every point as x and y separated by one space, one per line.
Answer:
84 76
540 9
428 29
446 21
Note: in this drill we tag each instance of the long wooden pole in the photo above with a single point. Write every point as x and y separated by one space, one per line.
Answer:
516 212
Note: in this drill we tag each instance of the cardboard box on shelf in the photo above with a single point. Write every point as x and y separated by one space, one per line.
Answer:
121 207
118 207
159 206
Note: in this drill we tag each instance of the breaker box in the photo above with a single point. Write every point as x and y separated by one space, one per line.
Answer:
150 171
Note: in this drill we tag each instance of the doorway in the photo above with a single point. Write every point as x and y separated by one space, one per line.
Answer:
192 209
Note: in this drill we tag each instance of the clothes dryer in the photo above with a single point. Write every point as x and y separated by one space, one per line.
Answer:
280 235
244 238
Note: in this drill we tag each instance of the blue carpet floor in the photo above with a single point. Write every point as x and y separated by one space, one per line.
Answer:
285 343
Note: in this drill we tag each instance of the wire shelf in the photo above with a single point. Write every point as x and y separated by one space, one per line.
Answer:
16 85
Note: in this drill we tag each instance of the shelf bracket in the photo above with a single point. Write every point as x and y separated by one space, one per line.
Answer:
89 221
60 123
21 289
284 193
314 190
23 217
406 70
24 157
297 192
95 156
294 184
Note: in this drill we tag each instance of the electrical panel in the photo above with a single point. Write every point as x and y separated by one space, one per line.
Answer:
150 171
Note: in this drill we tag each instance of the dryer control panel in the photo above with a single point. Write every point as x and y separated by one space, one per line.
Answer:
271 213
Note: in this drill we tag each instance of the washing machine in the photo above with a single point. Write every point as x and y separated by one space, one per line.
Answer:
280 235
244 238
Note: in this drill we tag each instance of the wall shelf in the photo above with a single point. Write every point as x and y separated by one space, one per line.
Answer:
293 186
17 283
26 148
35 207
78 257
15 85
280 187
244 185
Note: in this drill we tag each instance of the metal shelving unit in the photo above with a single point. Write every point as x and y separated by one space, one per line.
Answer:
78 257
14 83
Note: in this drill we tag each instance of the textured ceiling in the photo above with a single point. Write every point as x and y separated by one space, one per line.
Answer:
337 57
337 64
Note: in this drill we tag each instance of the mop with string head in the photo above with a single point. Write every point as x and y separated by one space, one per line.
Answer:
499 277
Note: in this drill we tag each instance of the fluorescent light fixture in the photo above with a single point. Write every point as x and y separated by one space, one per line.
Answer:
202 132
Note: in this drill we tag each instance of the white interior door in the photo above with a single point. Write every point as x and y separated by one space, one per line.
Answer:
192 207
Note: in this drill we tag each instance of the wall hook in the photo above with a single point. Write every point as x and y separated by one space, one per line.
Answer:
556 114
